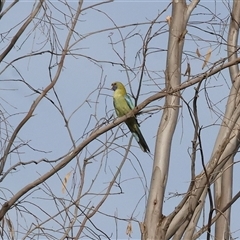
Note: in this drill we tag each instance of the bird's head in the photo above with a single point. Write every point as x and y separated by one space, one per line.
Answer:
118 86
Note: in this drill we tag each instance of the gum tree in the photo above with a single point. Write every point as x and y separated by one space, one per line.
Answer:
69 168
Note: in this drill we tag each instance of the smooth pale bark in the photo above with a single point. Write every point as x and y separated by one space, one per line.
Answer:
223 185
190 230
154 227
182 222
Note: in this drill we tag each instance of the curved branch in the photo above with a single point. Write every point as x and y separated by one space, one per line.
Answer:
7 205
21 30
46 90
223 185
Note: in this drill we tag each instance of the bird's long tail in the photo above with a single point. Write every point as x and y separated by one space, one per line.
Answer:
141 141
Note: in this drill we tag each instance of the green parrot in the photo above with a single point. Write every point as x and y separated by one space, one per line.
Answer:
123 105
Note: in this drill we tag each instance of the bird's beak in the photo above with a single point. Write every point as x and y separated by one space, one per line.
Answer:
114 87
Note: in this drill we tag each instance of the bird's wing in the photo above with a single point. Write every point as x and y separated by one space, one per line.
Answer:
129 101
131 105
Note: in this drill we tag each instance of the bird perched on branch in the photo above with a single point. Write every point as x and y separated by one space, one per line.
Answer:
123 104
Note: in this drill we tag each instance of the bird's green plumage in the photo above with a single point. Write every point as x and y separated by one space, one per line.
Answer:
123 105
